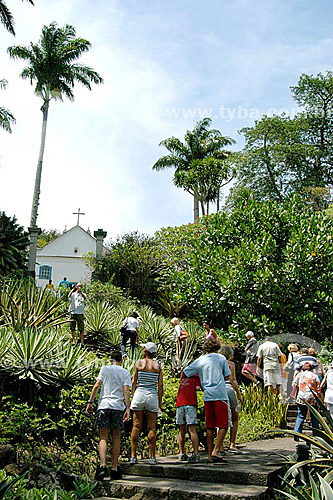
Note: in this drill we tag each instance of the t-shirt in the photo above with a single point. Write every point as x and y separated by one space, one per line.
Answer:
251 350
211 368
113 378
187 392
270 353
329 389
178 331
307 382
77 303
132 324
305 359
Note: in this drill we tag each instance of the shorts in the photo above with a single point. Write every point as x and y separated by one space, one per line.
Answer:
77 319
111 419
216 414
186 414
232 396
250 368
272 377
145 400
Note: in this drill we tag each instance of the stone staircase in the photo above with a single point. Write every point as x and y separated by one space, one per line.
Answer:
249 476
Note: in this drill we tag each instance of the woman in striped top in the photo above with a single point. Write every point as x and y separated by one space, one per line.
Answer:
147 386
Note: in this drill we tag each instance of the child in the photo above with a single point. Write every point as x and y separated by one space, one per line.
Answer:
186 415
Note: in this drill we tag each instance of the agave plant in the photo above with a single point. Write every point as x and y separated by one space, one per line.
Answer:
23 305
30 355
323 492
98 318
322 441
72 364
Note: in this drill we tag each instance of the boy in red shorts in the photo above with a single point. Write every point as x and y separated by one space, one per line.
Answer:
213 370
186 415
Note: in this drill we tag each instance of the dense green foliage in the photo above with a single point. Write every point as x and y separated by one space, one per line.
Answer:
132 263
265 266
285 155
13 244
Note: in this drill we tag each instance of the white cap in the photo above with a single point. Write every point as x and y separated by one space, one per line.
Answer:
249 334
150 347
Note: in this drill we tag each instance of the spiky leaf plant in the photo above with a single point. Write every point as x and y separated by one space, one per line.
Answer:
23 305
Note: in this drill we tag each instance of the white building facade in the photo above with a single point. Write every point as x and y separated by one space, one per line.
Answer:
65 257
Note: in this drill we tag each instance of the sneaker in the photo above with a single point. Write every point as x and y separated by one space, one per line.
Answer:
153 461
183 457
116 474
134 461
101 472
193 459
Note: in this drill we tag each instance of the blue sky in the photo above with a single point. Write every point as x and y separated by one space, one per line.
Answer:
164 64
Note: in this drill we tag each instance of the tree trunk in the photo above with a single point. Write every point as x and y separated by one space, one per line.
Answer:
202 207
33 230
35 199
218 200
195 208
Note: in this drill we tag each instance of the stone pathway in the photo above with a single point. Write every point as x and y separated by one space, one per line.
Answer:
249 476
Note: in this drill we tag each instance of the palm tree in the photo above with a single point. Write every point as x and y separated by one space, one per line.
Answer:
199 143
51 65
6 17
6 117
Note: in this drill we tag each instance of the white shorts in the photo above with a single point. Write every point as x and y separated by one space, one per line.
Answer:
145 400
272 377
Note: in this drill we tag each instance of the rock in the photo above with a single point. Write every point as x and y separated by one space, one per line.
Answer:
44 477
7 455
15 470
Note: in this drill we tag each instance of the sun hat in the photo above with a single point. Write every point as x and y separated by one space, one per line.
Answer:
150 347
249 332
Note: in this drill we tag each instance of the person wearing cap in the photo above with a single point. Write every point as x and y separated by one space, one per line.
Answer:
250 365
147 386
114 382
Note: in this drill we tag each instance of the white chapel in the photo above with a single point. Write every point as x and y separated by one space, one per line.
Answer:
66 256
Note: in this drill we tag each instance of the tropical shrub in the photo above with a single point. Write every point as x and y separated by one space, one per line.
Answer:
13 244
132 263
264 266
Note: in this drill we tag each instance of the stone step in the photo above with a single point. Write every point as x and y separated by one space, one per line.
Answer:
235 471
139 488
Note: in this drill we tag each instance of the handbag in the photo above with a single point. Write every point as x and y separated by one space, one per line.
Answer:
183 335
294 392
123 327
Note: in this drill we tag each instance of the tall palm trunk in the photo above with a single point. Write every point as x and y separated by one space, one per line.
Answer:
33 229
35 199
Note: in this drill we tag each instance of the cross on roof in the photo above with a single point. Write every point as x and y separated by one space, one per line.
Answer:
78 213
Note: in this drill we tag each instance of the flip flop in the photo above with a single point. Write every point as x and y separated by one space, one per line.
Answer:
216 459
235 452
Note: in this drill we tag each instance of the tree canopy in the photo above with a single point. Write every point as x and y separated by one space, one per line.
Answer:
285 155
13 244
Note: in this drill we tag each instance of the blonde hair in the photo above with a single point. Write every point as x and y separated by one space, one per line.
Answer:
175 321
313 352
293 348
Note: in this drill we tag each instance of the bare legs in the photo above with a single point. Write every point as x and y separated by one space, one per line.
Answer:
214 450
103 444
234 428
137 426
249 376
194 438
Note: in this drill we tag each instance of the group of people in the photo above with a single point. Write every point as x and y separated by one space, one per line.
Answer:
213 372
301 376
